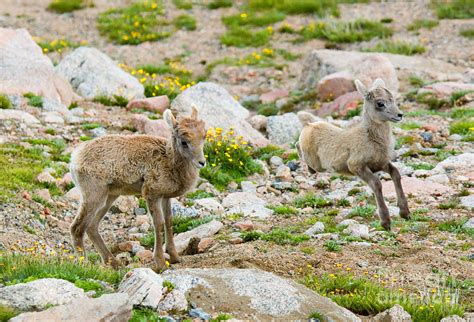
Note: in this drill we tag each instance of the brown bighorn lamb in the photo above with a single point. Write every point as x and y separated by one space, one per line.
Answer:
361 150
154 167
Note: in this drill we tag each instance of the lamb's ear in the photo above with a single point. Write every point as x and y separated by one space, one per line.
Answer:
169 119
361 88
378 83
194 113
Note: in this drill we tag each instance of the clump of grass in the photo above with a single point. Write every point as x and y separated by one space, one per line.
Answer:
183 4
432 101
468 33
332 246
134 24
245 37
421 166
6 313
463 127
63 6
365 296
422 23
452 203
398 47
284 210
256 19
115 100
90 126
199 194
291 7
5 102
362 211
459 113
455 9
141 314
416 81
279 236
185 22
345 32
456 226
216 4
34 100
267 152
410 126
24 268
229 158
311 200
57 45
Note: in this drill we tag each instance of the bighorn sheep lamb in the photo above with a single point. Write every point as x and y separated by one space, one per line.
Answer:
361 150
154 167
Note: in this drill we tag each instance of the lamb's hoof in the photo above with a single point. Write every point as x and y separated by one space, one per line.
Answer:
405 214
158 267
113 262
386 225
175 259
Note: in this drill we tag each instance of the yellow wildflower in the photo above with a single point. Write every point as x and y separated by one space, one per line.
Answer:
243 15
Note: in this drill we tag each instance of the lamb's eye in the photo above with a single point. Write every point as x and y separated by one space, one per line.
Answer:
380 105
184 143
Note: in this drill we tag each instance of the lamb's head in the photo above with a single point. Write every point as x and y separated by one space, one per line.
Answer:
379 102
188 135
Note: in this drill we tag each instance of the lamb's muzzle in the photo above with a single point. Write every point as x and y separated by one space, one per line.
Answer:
361 150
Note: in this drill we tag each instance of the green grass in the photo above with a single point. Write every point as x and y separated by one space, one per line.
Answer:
216 4
432 101
5 102
365 296
468 33
422 23
455 9
421 166
291 7
34 100
24 268
267 152
6 313
397 47
416 81
185 22
284 210
460 113
410 126
141 314
180 225
115 100
455 226
345 32
63 6
245 37
332 246
199 194
255 19
463 127
183 4
134 24
279 236
362 211
452 203
311 200
90 126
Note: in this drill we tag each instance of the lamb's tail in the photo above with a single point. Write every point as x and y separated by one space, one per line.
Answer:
306 118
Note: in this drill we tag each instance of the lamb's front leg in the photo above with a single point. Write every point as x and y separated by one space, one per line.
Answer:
170 247
401 199
374 183
154 204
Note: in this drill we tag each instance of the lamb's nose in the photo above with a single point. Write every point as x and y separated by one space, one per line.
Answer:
400 115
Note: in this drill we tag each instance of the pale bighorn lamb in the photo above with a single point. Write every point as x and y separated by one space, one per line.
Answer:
361 150
154 167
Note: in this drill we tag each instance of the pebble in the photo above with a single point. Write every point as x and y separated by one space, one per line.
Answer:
199 313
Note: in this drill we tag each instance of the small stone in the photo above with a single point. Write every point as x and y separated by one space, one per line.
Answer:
126 204
127 246
317 228
283 173
395 314
273 95
276 161
357 230
244 225
248 186
74 194
199 313
175 301
98 132
427 136
205 244
46 177
453 318
258 122
44 194
236 240
292 165
145 256
142 219
143 286
455 137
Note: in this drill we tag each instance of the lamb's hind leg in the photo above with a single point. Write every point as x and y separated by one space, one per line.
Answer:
170 247
154 204
78 228
401 199
96 238
374 183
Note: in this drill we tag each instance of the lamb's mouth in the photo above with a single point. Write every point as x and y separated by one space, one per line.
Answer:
395 119
198 164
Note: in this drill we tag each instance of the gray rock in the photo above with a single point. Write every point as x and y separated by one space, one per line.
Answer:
427 136
98 132
455 137
282 185
139 211
317 228
458 162
276 161
52 118
18 115
209 205
92 73
453 318
248 186
199 313
347 222
143 286
253 294
247 204
206 230
395 314
39 294
179 210
284 128
218 109
293 165
108 307
469 224
24 68
174 301
357 230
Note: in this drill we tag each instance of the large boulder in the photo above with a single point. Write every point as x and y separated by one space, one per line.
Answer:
417 187
143 286
250 294
246 203
24 68
284 128
108 307
39 294
352 65
218 109
92 73
446 89
342 104
320 63
17 115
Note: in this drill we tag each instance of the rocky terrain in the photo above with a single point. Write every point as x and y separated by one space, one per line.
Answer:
260 237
